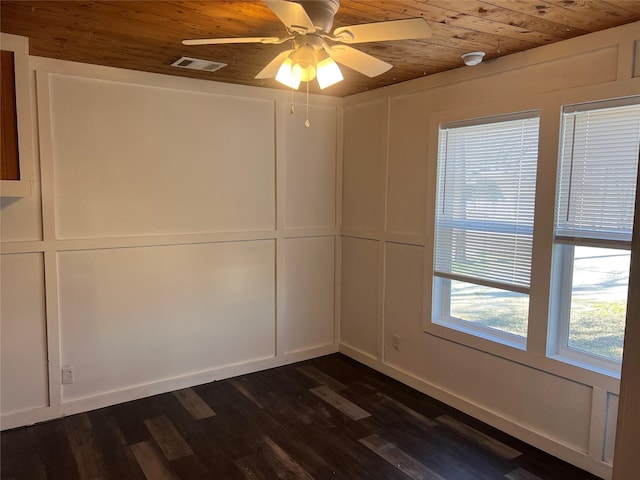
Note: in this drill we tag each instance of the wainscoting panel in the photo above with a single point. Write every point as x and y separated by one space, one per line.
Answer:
363 165
359 318
23 352
137 315
140 160
404 273
610 428
407 171
309 192
309 285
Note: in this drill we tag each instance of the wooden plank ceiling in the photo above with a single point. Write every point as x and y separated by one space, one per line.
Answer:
146 35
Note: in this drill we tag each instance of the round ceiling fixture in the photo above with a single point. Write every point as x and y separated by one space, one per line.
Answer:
472 58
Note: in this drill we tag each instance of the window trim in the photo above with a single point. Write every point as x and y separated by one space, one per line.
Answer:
560 313
439 316
560 294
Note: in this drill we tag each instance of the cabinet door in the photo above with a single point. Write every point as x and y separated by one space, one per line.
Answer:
9 161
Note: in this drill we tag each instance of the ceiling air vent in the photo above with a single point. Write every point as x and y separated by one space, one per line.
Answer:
198 64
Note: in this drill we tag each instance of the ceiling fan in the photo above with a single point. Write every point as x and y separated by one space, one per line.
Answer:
315 51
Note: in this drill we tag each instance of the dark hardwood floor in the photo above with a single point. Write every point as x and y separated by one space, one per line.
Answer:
326 418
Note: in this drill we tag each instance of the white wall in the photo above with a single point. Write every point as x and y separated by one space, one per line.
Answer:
388 223
188 233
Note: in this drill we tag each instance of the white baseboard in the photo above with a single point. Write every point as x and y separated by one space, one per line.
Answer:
538 439
307 353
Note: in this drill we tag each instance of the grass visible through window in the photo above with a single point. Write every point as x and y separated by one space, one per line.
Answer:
598 303
490 307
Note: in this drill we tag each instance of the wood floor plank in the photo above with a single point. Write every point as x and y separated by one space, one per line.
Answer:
88 456
291 411
418 416
278 457
110 439
304 452
347 407
191 468
130 420
50 441
17 455
167 437
521 474
342 453
221 440
193 404
321 377
399 459
251 468
244 391
151 462
485 441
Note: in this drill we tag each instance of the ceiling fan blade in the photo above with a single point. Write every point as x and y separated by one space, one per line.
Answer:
272 68
358 61
412 28
292 14
219 41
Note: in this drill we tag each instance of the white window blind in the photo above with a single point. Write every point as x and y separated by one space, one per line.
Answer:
598 170
485 201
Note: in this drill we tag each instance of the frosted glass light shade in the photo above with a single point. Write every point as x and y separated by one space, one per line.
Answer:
285 75
328 73
304 63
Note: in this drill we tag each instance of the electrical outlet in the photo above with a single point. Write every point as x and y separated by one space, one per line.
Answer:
67 375
395 343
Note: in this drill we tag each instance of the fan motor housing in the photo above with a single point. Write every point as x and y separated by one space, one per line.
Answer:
310 39
321 12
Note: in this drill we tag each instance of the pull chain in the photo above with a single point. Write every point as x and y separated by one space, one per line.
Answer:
307 123
292 109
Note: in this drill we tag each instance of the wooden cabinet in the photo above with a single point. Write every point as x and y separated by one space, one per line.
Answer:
16 152
9 156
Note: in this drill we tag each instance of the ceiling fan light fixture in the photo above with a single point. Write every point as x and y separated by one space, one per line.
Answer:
308 24
285 75
328 73
304 63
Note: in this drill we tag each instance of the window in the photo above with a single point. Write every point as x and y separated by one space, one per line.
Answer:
594 220
484 226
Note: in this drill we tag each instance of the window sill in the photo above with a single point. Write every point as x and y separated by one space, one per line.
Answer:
603 367
470 331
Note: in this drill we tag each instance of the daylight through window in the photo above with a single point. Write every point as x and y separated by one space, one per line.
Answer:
594 222
484 226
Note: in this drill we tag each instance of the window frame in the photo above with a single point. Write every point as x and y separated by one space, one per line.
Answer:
440 319
562 269
560 316
441 315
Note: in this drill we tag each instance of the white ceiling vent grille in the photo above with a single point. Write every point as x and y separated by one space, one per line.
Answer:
198 64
